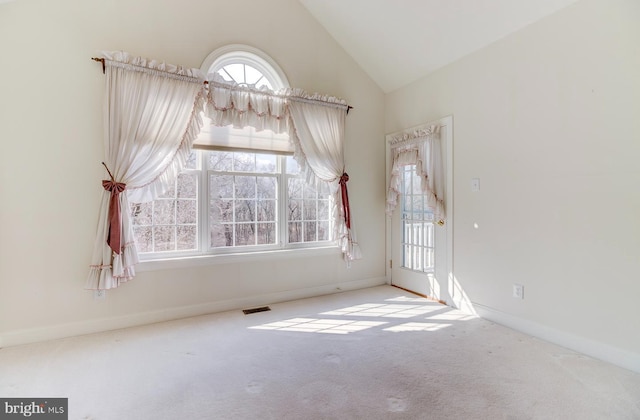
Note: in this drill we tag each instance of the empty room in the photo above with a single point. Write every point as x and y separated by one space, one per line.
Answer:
320 209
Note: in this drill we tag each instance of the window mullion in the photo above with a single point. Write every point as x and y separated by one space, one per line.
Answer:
283 188
204 203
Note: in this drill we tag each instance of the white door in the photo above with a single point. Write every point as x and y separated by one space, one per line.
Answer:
419 247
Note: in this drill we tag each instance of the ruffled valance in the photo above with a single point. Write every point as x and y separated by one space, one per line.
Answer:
127 61
242 106
423 149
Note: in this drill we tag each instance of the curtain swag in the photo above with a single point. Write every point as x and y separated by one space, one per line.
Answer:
423 149
152 114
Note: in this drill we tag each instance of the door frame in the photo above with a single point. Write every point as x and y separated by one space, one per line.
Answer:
445 284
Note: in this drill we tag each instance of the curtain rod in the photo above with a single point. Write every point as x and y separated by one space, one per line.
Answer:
206 82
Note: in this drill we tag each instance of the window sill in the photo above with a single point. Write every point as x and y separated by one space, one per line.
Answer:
240 257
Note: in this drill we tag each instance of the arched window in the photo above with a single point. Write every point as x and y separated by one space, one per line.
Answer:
243 190
250 67
245 65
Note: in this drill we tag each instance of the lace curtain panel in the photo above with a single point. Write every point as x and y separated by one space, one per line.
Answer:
423 149
152 115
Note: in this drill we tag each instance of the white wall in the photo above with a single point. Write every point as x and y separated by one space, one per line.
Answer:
549 120
51 133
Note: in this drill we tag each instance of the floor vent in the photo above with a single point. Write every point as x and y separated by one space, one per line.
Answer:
254 310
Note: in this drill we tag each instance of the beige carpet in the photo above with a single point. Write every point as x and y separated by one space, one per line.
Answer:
378 353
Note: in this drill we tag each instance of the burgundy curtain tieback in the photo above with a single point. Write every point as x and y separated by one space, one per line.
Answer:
345 199
115 221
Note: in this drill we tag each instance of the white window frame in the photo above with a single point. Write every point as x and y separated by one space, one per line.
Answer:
204 246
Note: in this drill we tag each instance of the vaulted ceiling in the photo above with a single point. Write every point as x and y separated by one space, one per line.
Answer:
400 41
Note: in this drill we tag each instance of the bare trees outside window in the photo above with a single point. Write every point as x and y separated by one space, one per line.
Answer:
170 223
243 199
228 200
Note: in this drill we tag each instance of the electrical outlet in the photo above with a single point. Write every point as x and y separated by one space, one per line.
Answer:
518 291
99 294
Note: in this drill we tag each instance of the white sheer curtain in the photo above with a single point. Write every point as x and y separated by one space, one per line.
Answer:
152 115
318 138
423 149
315 124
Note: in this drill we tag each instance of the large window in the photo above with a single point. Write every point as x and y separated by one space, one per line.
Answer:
231 201
234 199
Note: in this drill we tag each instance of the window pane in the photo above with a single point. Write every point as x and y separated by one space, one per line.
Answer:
252 75
221 235
266 233
309 210
245 234
295 210
295 186
417 209
324 234
187 212
170 192
187 237
415 187
221 186
187 186
144 238
309 191
236 72
225 75
292 166
221 211
164 238
266 211
304 204
295 232
323 210
245 186
192 160
407 203
266 187
245 211
418 229
266 163
309 231
244 162
323 190
141 213
220 161
164 212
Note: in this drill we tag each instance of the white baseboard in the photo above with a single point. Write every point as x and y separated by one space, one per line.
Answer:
595 349
54 332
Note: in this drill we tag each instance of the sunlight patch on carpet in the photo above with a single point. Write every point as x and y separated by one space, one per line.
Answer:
385 310
417 326
316 325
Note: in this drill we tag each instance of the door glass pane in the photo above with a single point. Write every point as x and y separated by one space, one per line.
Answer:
417 224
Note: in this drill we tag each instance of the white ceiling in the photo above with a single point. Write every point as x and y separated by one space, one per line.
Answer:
400 41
